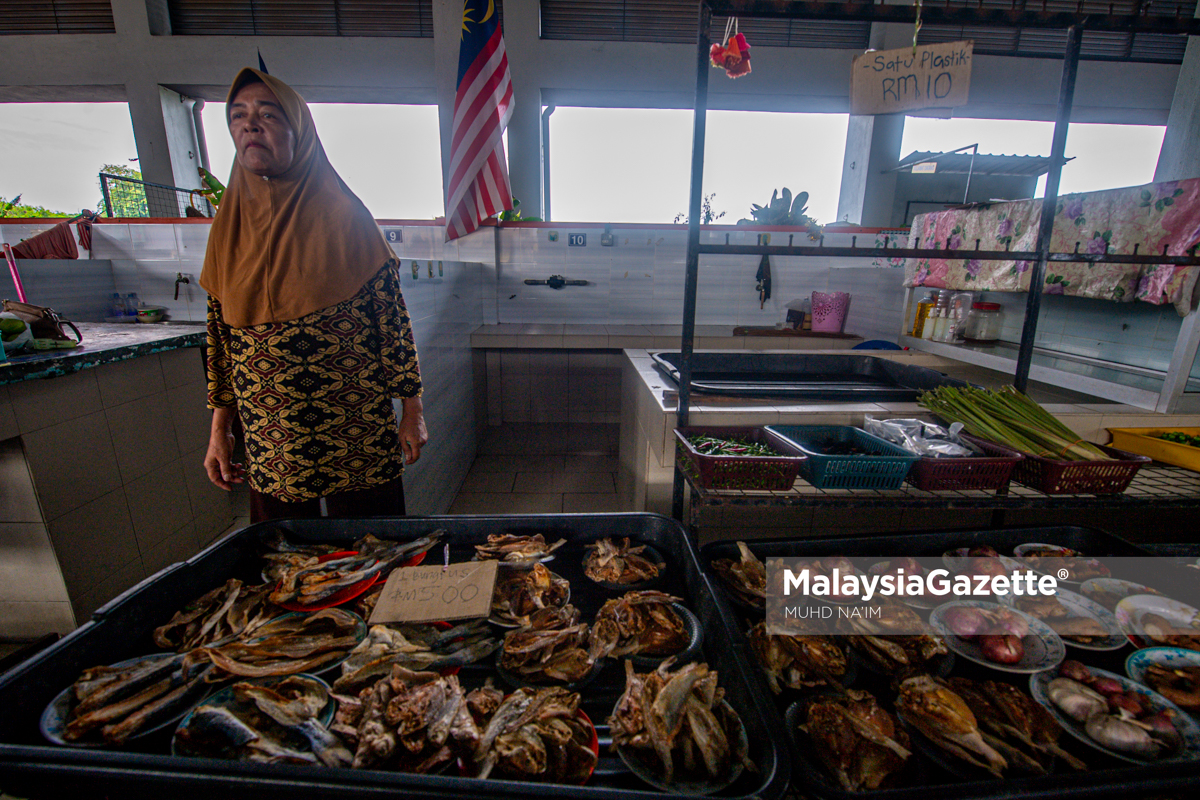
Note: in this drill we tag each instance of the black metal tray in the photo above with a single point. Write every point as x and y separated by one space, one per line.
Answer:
1112 778
29 767
807 377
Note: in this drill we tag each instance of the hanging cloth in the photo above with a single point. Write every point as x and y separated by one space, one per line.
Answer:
763 278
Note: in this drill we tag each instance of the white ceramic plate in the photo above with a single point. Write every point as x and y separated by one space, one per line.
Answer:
1043 647
1134 608
1186 726
1080 606
1170 657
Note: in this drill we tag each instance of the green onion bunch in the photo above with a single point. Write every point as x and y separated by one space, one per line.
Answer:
1009 418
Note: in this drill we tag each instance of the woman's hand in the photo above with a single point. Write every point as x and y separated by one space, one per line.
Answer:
218 460
413 434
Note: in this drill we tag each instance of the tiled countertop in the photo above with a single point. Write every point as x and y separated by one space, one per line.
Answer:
103 343
648 337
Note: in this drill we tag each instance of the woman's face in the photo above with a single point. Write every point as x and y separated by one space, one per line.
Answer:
262 135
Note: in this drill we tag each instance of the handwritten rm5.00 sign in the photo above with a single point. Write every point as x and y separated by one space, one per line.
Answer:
890 81
434 593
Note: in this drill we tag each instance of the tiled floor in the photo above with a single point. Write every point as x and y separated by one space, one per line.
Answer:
542 469
537 469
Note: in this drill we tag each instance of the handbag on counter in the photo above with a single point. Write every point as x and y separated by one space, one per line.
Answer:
46 326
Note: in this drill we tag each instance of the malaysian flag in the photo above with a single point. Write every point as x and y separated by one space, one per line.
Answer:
478 187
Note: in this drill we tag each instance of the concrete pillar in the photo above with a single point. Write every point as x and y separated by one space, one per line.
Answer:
872 148
1180 154
522 23
447 24
164 133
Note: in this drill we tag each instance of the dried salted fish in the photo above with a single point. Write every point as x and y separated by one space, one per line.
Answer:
745 579
220 615
276 724
310 581
797 662
897 655
519 593
638 623
939 713
678 725
516 550
118 703
288 645
537 735
1014 724
553 647
861 744
609 562
414 647
408 721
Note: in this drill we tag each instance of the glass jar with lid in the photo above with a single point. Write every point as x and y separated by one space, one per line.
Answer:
984 323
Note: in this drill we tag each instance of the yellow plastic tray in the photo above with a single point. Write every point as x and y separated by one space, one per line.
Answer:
1145 441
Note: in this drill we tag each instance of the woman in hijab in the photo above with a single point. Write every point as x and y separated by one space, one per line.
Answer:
308 336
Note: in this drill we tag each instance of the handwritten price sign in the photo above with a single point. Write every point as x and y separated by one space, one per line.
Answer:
434 593
890 81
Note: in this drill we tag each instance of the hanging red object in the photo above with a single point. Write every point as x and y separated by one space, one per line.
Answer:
734 56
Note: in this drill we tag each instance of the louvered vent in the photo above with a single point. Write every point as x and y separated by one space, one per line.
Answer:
19 17
407 18
1046 42
674 22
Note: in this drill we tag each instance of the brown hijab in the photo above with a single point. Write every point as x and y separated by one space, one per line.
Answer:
291 245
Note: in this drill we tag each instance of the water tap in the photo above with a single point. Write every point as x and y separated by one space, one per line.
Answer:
180 278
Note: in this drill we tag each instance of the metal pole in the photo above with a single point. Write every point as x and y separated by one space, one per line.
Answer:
107 200
1037 276
970 171
546 112
692 268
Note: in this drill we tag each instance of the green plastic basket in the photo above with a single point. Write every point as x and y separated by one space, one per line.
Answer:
884 466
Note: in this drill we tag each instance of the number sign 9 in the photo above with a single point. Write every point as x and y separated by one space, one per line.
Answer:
393 235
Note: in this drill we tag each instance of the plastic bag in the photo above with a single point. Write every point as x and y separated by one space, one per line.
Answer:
923 438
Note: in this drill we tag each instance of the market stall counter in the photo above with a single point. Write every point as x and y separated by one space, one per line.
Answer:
131 626
911 691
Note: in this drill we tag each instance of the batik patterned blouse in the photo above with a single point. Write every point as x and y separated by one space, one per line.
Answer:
314 395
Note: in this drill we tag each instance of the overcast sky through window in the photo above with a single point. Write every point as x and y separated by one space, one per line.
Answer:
607 165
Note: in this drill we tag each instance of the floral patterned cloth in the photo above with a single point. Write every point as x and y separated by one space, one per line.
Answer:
1152 216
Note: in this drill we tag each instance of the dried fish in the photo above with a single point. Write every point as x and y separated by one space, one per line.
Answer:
275 724
537 735
745 579
639 623
861 744
218 616
898 655
609 562
1014 724
311 581
519 593
414 647
135 698
666 719
939 713
553 647
798 662
516 550
288 645
410 722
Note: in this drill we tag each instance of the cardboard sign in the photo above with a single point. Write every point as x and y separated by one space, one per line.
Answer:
891 81
434 593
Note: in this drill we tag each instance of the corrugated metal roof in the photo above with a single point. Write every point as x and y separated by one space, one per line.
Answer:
985 164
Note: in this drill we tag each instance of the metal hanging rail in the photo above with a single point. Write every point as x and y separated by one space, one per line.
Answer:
1089 14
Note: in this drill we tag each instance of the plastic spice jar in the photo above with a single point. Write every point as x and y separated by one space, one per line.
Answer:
984 322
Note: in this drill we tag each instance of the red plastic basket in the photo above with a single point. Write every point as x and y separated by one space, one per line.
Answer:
766 473
974 473
1079 477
